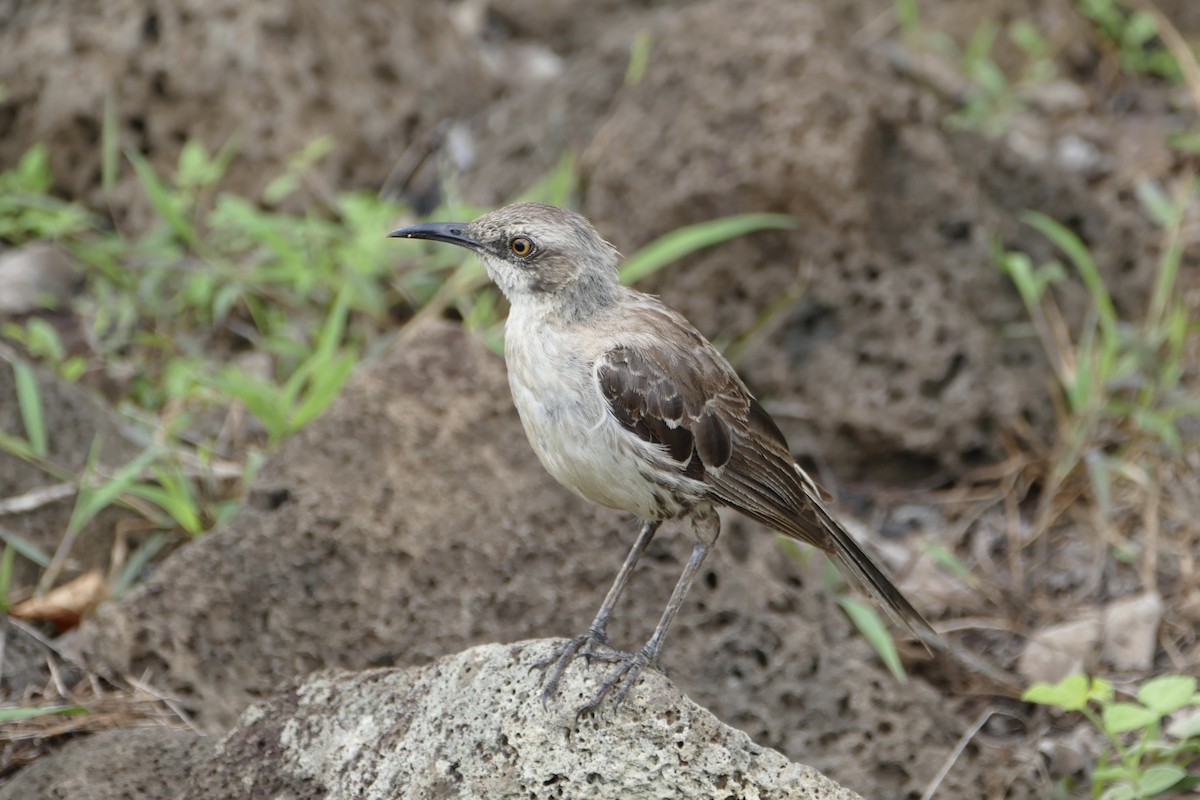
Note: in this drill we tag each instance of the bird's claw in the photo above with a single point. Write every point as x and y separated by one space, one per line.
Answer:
622 676
558 660
628 667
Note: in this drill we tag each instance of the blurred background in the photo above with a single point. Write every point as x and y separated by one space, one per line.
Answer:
952 246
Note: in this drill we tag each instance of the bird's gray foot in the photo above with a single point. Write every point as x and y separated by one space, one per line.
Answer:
621 677
584 645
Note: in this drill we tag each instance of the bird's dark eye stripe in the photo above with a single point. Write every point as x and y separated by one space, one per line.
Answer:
520 246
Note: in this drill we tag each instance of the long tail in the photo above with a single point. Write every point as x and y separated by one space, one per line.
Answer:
855 564
763 482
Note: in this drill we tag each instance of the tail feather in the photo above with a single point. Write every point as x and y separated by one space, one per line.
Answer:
855 564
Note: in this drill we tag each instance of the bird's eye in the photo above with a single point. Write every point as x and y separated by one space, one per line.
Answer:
521 246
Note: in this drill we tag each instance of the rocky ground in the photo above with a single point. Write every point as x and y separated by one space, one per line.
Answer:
412 521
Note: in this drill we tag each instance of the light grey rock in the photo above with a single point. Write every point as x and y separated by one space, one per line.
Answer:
1131 631
1060 650
38 275
472 725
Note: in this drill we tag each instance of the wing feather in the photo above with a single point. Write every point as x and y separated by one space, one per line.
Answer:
677 391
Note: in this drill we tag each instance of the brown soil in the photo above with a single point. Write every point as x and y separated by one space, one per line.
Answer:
413 520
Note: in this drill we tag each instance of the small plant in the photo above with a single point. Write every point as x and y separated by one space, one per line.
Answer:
27 211
991 98
1146 759
1116 378
988 107
1133 36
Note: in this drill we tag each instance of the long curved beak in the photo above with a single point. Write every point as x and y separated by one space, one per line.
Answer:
451 232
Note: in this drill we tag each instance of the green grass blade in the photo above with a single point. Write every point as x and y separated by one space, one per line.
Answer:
137 562
322 391
1069 243
6 567
14 714
334 328
639 58
178 508
169 206
24 548
16 446
30 401
93 499
263 400
871 626
686 240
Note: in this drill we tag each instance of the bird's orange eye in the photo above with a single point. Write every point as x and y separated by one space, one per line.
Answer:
521 246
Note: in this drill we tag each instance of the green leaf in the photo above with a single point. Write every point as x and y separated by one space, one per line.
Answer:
1025 35
1139 30
1101 691
30 402
261 399
1160 778
334 328
799 553
324 389
1070 244
1156 203
1187 141
25 548
280 187
137 562
686 240
1120 791
33 171
639 58
43 340
949 560
1069 694
13 714
166 204
16 446
6 567
1167 693
871 626
196 169
908 14
1123 717
93 499
178 504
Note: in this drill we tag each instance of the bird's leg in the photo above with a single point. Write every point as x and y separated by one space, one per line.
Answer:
707 526
597 632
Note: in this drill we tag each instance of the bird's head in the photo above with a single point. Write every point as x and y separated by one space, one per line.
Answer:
533 251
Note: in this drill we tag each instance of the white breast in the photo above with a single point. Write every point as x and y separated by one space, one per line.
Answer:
551 375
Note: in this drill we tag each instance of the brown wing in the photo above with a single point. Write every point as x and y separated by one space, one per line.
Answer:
663 398
681 393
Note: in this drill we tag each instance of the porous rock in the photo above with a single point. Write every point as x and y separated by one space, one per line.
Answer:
472 725
469 725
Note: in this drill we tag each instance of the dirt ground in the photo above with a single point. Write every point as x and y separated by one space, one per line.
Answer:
413 520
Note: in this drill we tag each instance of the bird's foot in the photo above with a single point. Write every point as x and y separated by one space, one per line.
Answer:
628 667
584 645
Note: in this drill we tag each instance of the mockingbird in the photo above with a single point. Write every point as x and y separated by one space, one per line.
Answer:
629 406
